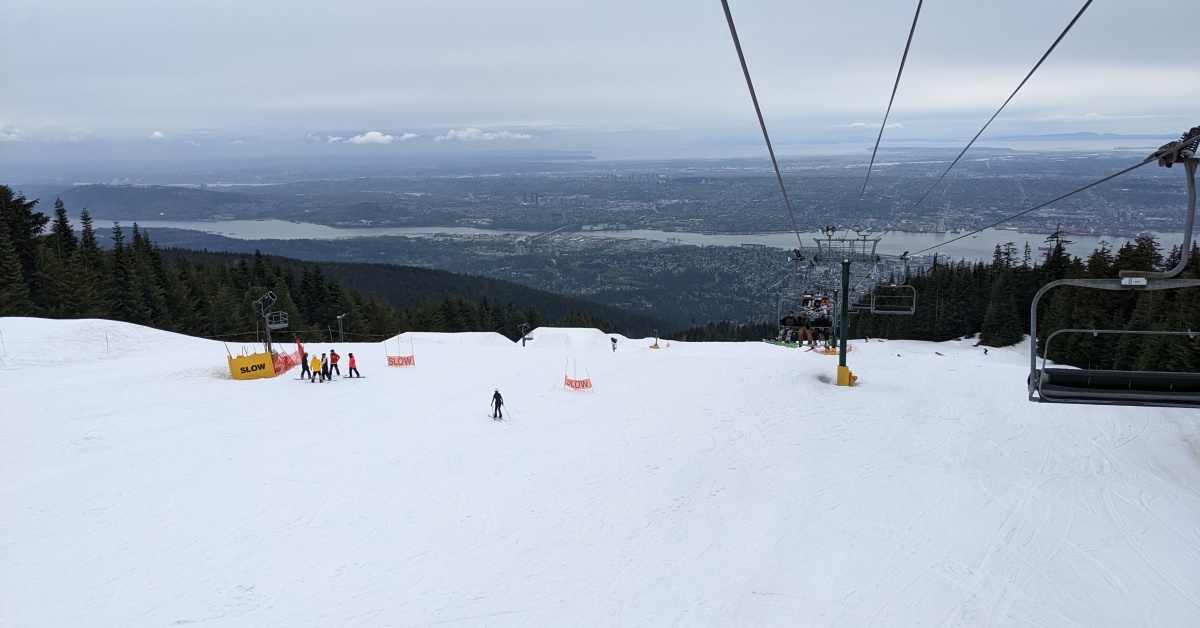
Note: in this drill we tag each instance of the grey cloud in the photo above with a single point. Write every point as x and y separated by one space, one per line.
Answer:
598 73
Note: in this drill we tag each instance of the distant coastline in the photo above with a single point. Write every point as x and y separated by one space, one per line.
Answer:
975 246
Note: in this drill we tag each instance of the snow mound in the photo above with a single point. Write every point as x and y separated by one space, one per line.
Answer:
37 341
470 338
578 339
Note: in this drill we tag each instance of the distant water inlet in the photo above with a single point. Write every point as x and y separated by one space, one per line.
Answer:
977 246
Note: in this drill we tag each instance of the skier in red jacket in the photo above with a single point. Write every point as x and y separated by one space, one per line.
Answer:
333 360
353 370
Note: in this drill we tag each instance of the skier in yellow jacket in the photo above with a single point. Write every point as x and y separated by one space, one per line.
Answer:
315 365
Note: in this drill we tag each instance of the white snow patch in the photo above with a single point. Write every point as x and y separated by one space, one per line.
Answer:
700 484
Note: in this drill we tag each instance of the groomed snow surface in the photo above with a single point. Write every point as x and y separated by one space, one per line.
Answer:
697 485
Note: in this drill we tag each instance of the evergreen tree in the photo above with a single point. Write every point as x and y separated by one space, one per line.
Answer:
1001 325
61 233
14 291
88 266
24 227
52 292
123 293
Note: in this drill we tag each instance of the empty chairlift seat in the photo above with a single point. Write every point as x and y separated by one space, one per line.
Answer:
894 300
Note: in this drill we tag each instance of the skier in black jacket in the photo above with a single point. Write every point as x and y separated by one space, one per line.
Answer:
497 402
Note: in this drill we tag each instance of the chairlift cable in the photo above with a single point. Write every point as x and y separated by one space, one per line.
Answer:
1166 155
1055 200
758 110
896 86
1022 84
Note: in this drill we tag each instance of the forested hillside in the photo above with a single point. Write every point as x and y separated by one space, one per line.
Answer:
159 202
47 270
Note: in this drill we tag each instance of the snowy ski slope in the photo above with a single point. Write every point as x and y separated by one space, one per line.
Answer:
696 485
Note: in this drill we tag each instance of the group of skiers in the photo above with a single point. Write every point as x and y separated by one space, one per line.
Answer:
799 328
323 368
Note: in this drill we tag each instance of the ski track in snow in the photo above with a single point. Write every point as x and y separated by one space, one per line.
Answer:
708 484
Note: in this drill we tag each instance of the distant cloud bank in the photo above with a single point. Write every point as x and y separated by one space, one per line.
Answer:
9 134
864 125
472 134
370 137
158 135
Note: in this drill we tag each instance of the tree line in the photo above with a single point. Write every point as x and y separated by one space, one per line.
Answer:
994 299
48 270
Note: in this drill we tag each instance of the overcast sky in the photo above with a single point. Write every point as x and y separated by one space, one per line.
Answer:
622 78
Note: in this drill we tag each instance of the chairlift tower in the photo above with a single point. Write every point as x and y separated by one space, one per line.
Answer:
859 249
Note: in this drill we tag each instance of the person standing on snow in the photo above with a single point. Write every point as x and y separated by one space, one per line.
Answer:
314 367
497 401
614 341
333 360
353 370
305 371
324 368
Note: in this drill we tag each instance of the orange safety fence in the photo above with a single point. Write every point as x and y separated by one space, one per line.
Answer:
285 362
402 360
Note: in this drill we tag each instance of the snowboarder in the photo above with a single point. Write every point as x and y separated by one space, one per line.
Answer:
314 367
333 360
497 401
305 371
353 370
787 325
614 341
985 351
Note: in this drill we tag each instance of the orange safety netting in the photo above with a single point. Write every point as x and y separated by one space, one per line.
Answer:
284 362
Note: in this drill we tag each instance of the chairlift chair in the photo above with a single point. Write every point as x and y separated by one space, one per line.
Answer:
1053 384
894 300
1112 387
